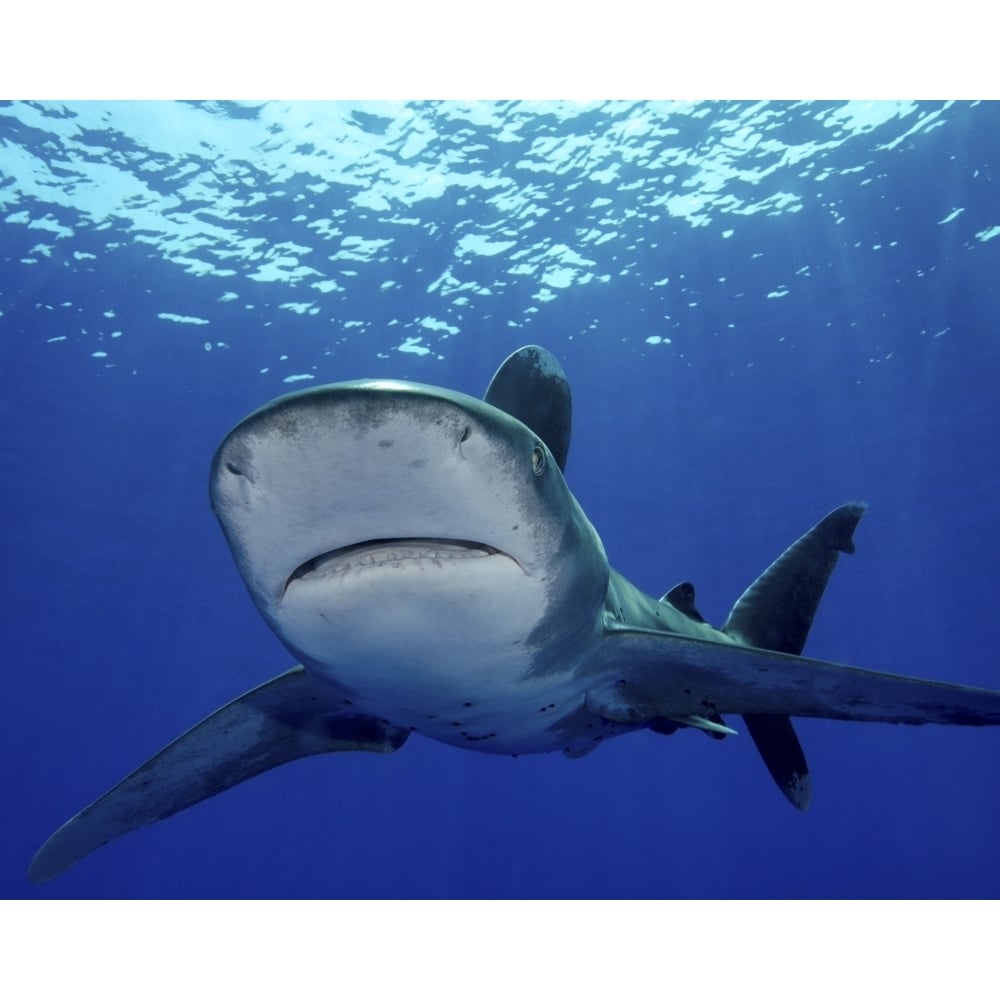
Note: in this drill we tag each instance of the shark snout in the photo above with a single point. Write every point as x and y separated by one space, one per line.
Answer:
377 467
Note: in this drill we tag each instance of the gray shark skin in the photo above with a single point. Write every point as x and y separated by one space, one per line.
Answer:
419 554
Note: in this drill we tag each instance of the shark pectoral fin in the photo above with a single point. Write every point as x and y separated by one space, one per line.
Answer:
286 718
779 748
640 674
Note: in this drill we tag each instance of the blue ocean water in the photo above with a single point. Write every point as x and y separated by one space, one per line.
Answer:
764 309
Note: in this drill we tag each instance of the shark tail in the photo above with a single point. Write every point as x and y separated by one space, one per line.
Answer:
776 613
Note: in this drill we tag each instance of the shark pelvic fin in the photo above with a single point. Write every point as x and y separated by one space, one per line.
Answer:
682 598
713 726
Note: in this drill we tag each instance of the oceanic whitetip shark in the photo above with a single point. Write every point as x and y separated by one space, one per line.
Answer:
420 555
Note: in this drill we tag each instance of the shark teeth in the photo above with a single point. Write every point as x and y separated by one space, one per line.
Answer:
390 552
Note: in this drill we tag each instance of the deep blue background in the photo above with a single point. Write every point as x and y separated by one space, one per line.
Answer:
875 377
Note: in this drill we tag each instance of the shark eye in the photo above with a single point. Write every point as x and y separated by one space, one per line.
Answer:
538 460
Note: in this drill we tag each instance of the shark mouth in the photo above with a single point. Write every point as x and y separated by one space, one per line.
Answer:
393 552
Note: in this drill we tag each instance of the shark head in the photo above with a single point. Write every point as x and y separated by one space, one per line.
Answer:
390 532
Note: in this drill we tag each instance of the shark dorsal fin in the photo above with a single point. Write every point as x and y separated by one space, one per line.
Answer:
532 386
682 598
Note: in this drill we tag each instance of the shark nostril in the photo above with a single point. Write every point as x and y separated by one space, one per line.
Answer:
234 469
466 432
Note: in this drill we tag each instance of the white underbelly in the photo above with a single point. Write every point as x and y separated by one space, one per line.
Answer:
458 651
495 706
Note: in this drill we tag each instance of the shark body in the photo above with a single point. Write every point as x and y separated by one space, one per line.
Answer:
420 555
